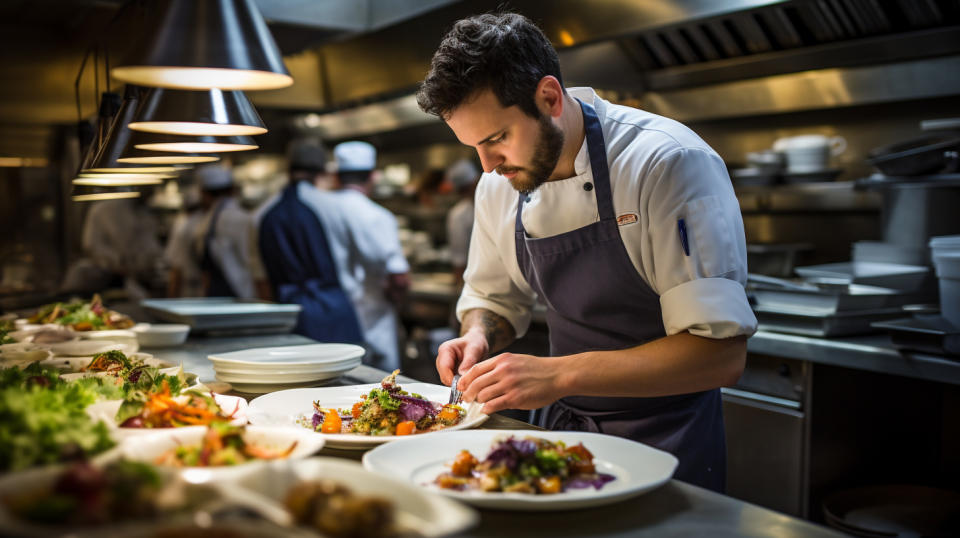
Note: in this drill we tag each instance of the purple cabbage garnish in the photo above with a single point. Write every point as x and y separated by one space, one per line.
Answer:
596 481
414 408
511 451
317 420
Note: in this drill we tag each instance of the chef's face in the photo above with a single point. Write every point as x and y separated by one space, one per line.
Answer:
523 149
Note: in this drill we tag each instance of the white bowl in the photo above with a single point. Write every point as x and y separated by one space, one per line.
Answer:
150 447
161 334
22 354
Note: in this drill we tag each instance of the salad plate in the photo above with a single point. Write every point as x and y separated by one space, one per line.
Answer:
265 444
294 406
106 410
69 364
635 467
88 348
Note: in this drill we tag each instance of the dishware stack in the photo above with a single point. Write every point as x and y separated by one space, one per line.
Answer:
269 369
794 159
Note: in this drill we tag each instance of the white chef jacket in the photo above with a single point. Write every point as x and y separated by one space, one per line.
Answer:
660 172
121 236
366 248
459 228
179 253
230 245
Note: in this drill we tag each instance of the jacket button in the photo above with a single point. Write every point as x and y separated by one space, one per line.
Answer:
588 186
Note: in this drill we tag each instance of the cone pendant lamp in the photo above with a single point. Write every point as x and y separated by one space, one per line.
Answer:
197 112
204 44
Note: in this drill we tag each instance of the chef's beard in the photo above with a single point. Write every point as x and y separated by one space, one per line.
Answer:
546 154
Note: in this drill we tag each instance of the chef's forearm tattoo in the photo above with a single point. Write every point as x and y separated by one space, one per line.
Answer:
496 328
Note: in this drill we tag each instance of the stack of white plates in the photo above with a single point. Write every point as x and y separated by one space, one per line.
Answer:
270 369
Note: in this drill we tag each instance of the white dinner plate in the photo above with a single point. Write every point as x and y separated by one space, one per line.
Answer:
287 407
22 354
75 364
150 447
418 512
288 356
86 348
279 379
637 468
106 411
341 364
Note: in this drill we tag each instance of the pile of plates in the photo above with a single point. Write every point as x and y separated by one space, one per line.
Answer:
270 369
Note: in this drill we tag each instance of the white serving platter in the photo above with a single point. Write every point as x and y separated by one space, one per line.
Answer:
637 468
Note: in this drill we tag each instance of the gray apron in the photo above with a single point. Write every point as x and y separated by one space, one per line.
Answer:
597 301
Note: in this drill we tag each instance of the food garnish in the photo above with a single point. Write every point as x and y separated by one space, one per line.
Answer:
164 408
82 316
387 410
529 465
222 445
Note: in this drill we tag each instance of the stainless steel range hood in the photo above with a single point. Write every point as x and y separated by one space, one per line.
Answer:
673 57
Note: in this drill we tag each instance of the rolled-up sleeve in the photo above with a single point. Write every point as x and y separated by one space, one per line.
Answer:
697 252
488 282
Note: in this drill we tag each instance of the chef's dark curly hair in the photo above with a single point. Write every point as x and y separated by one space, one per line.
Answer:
504 52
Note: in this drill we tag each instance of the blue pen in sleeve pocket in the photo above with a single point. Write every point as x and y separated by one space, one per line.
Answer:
684 242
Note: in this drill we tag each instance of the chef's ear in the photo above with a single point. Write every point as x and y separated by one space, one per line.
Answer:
549 96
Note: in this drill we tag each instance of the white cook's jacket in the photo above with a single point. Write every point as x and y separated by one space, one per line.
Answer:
230 245
660 172
366 248
459 228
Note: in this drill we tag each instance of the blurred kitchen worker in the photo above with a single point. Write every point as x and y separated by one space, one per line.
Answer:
121 248
223 243
372 268
292 261
185 278
463 176
623 222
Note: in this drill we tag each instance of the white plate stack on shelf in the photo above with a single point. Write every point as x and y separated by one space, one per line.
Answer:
270 369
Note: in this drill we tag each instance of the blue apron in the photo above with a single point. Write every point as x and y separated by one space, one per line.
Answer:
301 270
218 285
596 300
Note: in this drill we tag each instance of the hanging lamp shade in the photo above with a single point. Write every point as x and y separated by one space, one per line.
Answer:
197 112
119 180
203 44
191 144
135 156
84 193
106 158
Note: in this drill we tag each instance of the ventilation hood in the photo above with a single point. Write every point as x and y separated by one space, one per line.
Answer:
674 57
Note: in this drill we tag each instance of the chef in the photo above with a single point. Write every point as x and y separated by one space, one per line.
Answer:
624 224
223 242
370 261
292 256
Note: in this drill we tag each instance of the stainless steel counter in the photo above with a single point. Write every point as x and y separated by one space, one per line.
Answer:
874 353
676 509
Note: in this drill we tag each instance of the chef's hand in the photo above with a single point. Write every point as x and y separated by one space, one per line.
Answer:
512 381
460 354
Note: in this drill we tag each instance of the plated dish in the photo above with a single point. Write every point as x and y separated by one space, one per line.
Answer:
220 446
336 496
296 408
530 464
82 316
635 468
385 410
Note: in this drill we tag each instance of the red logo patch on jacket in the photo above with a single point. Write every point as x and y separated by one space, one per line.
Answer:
627 218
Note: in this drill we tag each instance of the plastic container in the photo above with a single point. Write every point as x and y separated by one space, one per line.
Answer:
946 261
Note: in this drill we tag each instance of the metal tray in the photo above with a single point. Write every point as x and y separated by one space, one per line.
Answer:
928 334
225 314
885 275
820 324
